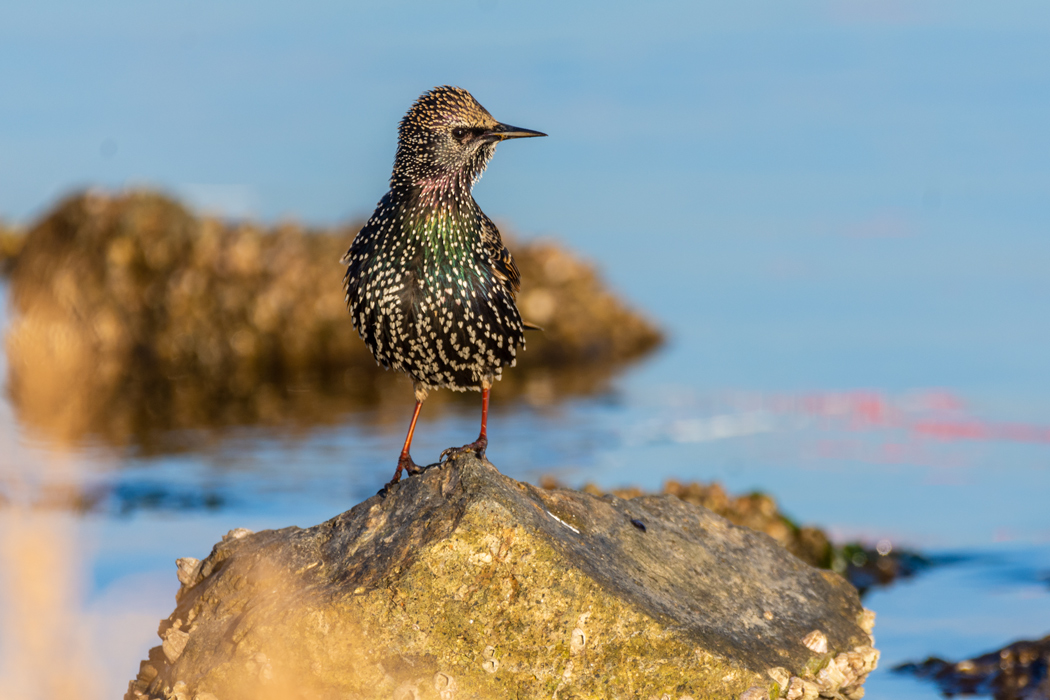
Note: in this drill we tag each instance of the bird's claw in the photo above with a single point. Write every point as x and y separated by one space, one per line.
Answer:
476 448
405 464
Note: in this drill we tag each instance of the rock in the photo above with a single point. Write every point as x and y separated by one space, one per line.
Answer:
188 568
174 643
757 511
817 641
463 583
11 241
864 567
868 567
1018 671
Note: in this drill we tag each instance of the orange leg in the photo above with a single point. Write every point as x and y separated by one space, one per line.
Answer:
479 446
405 461
483 438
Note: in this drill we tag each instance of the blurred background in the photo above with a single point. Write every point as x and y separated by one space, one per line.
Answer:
825 223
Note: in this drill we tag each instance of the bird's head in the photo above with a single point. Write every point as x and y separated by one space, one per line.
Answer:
447 134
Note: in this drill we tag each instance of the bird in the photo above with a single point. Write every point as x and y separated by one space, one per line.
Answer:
429 285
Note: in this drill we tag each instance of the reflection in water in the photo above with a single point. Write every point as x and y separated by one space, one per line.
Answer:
915 428
127 498
135 318
44 655
43 631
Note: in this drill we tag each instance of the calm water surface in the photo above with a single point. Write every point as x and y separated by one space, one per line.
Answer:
928 468
839 215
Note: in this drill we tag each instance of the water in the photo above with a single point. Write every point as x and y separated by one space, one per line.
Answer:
838 213
855 463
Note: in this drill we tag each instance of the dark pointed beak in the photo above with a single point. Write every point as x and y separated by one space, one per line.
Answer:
502 132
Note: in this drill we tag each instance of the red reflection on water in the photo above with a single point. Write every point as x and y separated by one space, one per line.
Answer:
929 427
884 453
922 414
982 430
895 430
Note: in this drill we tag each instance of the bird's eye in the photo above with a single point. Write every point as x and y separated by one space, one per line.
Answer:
459 132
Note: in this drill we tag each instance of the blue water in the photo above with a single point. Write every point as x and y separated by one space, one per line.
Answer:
837 211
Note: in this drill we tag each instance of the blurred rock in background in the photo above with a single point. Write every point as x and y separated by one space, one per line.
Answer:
1018 671
11 240
133 317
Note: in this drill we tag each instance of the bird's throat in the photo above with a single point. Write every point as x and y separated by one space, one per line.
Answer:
443 212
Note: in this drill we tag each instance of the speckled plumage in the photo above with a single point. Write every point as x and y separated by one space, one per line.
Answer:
429 284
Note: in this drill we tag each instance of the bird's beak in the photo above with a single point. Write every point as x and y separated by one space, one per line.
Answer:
502 132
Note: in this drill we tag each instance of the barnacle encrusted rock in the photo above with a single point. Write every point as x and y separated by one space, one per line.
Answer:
463 583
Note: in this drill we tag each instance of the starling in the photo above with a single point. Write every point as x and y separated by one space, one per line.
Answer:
429 284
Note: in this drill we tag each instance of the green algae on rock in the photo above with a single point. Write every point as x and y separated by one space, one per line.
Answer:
135 317
463 583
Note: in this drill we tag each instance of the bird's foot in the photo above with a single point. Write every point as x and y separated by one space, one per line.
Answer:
405 464
477 448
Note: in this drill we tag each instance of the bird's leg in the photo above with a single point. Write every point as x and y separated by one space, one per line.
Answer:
405 462
482 442
479 446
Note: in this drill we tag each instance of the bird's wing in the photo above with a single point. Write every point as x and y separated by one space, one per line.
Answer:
362 250
501 259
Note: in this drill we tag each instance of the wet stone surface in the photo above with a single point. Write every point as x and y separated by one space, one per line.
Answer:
1015 672
463 583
